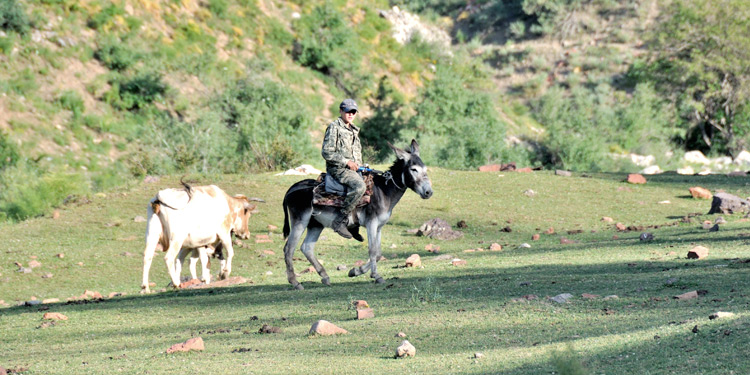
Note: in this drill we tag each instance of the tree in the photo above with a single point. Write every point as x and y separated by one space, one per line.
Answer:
699 56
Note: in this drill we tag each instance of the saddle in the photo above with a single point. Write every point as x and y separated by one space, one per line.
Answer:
329 192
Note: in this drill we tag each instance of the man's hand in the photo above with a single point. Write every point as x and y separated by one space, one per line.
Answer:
352 165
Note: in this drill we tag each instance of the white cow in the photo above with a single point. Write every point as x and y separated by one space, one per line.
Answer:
194 219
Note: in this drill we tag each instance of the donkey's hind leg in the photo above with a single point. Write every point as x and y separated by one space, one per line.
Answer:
291 244
308 248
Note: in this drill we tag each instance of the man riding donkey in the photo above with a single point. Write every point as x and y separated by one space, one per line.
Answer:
343 155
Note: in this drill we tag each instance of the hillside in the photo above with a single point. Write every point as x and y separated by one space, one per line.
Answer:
97 94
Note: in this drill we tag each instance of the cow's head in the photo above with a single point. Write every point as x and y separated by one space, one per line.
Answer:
241 209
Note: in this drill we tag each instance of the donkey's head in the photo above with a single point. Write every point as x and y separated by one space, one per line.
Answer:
414 172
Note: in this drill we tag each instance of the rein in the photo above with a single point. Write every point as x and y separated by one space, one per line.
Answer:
389 177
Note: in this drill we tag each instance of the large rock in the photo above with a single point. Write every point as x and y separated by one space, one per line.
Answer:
406 349
698 252
700 193
54 316
635 178
696 157
191 344
438 229
326 328
406 26
726 203
413 261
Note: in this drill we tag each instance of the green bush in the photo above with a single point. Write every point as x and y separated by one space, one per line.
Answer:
114 54
105 16
136 92
71 101
9 154
386 123
26 193
13 17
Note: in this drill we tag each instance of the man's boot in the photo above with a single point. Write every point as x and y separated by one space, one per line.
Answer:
339 226
355 233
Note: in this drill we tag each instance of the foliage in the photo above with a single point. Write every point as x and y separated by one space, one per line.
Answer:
105 17
700 59
114 54
71 101
26 193
13 17
385 124
9 154
136 92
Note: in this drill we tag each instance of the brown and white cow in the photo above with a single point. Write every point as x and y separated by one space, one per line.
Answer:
194 218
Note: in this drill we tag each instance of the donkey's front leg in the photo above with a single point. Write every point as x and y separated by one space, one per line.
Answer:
373 239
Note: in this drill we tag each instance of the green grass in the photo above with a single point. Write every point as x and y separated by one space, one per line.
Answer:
448 313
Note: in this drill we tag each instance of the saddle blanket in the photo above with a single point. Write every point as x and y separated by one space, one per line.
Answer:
322 198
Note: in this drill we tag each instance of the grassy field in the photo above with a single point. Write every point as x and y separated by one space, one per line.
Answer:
448 312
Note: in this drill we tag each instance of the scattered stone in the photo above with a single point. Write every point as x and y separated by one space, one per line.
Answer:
550 230
478 355
646 237
139 219
707 224
325 328
150 179
560 172
462 224
414 261
92 294
720 220
611 297
714 228
50 300
400 334
620 227
54 316
535 237
24 270
607 219
495 247
393 246
507 229
524 246
529 193
365 313
262 238
589 296
561 298
234 280
269 329
189 283
406 349
566 241
443 257
80 264
700 193
635 178
470 250
56 214
688 295
33 302
268 252
720 314
272 227
191 344
438 229
686 171
432 248
60 255
698 252
308 270
458 262
664 202
381 258
341 267
34 264
728 204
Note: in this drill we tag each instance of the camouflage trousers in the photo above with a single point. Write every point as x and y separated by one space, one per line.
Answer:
354 184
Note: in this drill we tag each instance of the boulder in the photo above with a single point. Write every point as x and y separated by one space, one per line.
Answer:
365 313
720 314
561 298
406 349
195 343
438 229
698 252
635 178
326 328
688 295
700 193
696 157
54 316
414 261
726 203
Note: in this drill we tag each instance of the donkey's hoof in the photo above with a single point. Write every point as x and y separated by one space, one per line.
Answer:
326 281
379 280
299 287
355 272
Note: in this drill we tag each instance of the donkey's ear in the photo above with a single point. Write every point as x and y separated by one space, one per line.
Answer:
414 147
401 154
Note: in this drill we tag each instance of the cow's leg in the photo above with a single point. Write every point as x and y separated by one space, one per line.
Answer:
153 232
180 261
205 271
226 269
194 256
308 248
170 259
297 228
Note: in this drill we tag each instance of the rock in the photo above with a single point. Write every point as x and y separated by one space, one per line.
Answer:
308 270
707 224
561 298
191 344
432 248
635 178
34 264
268 252
233 280
458 262
269 329
686 296
696 157
189 283
524 246
302 170
607 219
116 294
262 238
653 169
50 300
589 296
726 203
54 316
400 334
525 170
478 355
671 281
611 297
720 314
698 252
33 302
438 229
566 241
365 313
529 193
341 267
535 237
560 172
272 227
406 349
664 202
3 371
462 224
139 219
498 167
414 261
495 247
24 270
646 237
325 328
720 220
620 227
700 193
550 231
686 171
56 214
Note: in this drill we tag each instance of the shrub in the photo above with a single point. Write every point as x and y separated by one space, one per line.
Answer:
105 16
136 92
13 17
71 101
385 124
9 154
113 54
25 193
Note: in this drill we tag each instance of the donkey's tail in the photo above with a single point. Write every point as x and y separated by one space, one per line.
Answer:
287 229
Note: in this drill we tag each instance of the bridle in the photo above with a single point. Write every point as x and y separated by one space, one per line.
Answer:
389 177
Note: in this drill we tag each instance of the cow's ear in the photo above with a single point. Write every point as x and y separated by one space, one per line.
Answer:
249 207
401 154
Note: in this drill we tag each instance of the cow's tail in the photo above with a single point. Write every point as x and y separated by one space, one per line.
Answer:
287 229
188 188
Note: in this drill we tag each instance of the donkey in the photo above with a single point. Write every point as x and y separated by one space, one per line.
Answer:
408 171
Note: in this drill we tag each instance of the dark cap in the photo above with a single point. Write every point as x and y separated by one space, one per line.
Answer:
348 105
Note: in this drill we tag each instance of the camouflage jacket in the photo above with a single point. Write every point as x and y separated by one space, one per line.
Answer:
341 144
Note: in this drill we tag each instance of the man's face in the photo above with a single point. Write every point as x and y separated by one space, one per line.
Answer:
348 117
